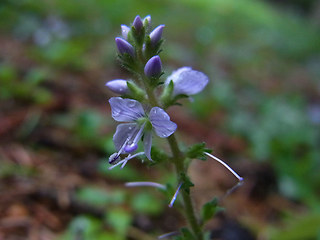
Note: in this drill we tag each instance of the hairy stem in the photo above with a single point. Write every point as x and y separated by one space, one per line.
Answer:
179 160
188 206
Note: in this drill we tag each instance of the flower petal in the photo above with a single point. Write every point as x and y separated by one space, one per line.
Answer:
187 81
124 131
147 143
161 123
125 110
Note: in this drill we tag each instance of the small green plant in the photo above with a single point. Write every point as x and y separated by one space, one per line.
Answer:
141 111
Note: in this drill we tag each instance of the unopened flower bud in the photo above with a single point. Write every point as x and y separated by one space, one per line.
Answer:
124 31
118 86
124 47
137 23
147 21
153 67
156 35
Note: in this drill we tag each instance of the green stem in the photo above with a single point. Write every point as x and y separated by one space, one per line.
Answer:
188 206
178 160
149 90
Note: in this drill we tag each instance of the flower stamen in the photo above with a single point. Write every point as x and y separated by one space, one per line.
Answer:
145 184
125 160
175 196
114 158
132 146
225 165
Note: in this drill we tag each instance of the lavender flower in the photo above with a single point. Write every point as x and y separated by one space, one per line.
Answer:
138 123
118 86
187 81
153 67
124 31
124 47
156 35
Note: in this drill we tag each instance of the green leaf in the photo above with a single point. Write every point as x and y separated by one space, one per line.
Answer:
166 94
209 210
135 91
197 151
186 182
186 234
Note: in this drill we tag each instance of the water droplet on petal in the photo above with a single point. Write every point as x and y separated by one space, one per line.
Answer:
115 113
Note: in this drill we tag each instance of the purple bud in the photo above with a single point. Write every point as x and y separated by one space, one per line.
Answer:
124 31
156 34
147 21
153 67
118 86
124 47
137 23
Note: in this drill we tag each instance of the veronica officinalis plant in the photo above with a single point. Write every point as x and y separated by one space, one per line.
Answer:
140 109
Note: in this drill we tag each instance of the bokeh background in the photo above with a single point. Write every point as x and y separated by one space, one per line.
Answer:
260 113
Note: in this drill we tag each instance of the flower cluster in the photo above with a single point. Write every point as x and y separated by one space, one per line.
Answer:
138 50
141 111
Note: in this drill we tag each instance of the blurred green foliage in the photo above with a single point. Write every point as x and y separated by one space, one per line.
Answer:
29 89
302 227
100 197
264 67
86 228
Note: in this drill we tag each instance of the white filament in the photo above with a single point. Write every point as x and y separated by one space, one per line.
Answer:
175 196
125 160
145 184
225 165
